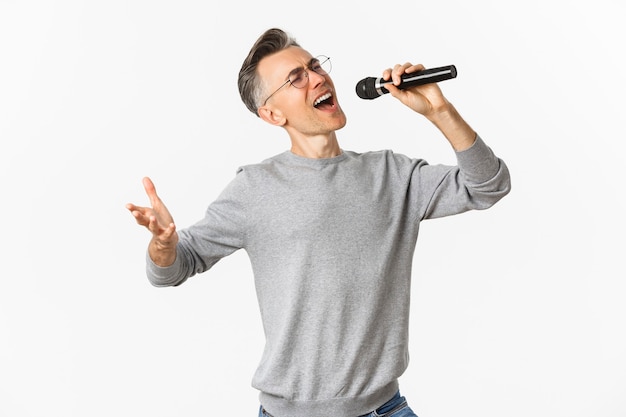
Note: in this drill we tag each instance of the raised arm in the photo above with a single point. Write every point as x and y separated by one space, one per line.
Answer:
429 101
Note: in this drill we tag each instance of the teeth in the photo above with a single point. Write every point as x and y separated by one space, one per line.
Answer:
322 98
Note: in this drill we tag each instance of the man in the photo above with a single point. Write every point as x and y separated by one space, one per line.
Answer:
330 235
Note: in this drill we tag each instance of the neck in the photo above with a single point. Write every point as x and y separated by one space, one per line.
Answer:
316 147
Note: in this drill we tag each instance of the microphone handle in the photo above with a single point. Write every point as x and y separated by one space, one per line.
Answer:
426 76
371 88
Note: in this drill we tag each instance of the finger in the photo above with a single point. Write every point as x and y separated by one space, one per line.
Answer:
153 225
398 71
169 231
140 214
396 74
387 74
140 219
148 185
415 68
166 236
131 207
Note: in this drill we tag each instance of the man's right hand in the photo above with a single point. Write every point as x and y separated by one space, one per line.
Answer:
158 220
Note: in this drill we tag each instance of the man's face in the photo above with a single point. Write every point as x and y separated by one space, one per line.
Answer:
310 110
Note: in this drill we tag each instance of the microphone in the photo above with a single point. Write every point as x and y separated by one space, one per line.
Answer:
370 88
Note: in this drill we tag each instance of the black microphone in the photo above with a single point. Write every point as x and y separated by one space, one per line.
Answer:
370 88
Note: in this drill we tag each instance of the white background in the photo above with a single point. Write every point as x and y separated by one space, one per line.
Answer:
516 311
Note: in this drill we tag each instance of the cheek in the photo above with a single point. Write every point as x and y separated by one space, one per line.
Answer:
295 107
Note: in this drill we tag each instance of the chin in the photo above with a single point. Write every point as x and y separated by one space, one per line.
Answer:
341 122
342 125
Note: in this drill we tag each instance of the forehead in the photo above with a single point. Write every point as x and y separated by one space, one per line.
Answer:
276 67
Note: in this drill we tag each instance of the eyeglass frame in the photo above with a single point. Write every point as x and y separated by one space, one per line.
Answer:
306 73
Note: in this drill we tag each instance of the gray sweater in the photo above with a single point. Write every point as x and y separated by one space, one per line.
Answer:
331 245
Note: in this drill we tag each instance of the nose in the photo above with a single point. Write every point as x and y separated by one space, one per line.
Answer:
315 79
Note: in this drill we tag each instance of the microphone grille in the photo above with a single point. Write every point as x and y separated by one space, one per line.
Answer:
366 88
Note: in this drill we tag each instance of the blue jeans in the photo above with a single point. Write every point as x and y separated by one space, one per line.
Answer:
396 407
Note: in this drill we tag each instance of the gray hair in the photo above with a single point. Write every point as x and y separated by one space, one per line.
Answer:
251 88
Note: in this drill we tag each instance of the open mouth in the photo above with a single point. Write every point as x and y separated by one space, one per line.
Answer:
325 101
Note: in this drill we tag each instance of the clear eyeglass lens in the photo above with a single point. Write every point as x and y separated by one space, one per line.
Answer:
299 79
320 65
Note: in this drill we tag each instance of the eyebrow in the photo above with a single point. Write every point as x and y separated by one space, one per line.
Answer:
296 70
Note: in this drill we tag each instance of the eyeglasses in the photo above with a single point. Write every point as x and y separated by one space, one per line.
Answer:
299 77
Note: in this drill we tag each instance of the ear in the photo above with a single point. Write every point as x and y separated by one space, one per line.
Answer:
272 115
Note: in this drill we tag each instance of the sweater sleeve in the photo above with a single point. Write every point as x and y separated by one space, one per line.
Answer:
201 245
479 180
